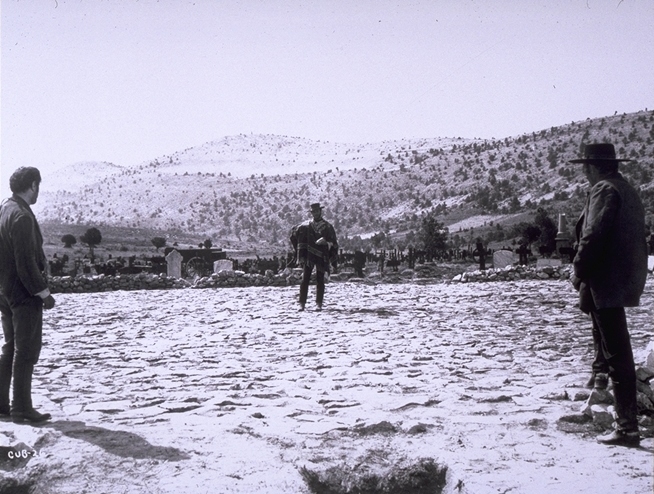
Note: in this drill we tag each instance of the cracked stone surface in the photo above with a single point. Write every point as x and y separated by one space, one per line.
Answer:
234 390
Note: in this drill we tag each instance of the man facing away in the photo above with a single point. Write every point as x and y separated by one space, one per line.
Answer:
24 294
610 269
316 246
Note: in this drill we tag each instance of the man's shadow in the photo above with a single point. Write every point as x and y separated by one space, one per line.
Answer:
119 443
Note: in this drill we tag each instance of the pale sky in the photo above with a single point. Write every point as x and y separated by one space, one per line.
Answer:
127 81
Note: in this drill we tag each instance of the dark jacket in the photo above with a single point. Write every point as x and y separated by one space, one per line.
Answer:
22 260
611 259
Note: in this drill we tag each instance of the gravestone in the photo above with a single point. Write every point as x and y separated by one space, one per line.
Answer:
174 264
502 259
540 263
223 265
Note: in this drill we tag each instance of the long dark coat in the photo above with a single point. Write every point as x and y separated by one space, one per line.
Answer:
611 259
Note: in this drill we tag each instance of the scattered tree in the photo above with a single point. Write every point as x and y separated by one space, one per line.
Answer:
158 242
433 236
530 234
68 240
92 238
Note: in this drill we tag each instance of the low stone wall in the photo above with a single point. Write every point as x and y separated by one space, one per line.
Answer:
513 273
226 279
430 272
102 283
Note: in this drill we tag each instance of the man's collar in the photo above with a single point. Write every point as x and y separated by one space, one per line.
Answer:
21 201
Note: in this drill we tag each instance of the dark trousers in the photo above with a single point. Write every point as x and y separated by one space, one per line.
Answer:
22 327
320 285
600 365
615 356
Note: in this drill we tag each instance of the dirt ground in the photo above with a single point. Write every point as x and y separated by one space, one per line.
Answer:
235 391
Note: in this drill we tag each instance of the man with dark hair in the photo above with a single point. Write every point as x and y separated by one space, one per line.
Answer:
316 246
24 294
610 269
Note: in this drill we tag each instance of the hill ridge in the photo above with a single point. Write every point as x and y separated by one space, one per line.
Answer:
264 182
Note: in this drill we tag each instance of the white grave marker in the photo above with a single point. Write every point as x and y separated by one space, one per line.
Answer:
174 264
223 265
502 259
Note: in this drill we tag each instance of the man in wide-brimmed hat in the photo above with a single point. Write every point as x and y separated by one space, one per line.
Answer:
316 246
610 268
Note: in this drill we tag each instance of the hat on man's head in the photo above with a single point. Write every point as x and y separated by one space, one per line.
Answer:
598 152
316 207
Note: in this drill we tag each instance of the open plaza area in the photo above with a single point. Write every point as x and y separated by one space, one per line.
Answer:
234 390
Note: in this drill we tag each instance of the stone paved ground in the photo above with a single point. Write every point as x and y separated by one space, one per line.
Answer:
233 390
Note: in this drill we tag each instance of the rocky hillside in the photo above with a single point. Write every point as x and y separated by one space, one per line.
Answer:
250 189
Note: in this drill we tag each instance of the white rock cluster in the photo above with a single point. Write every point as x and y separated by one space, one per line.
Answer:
600 404
514 273
228 278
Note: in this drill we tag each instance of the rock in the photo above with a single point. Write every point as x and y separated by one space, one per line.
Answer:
557 396
383 427
644 374
597 397
647 356
645 404
581 396
602 416
646 421
418 429
370 474
645 389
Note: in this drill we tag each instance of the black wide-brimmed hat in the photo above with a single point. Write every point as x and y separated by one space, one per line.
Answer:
598 152
315 207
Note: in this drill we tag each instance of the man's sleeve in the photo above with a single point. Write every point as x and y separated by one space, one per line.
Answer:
333 250
603 205
25 254
332 234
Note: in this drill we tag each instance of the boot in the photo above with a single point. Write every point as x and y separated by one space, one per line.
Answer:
620 438
626 405
21 408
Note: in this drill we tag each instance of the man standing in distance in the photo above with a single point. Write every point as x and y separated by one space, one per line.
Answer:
316 247
24 294
610 269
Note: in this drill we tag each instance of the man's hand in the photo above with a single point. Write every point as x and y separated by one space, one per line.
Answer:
48 302
576 282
